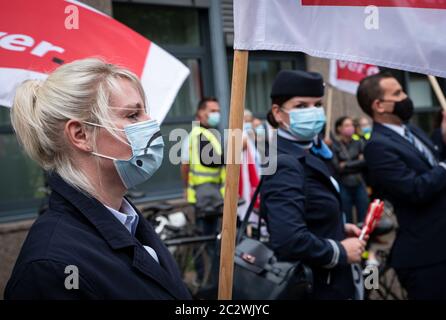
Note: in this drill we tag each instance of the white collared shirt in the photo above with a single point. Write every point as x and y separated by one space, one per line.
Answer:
129 218
397 128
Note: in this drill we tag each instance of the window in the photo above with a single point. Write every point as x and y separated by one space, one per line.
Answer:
21 178
425 101
162 25
189 94
421 92
262 70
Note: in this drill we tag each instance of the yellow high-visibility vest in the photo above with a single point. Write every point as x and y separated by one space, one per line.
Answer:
198 173
366 136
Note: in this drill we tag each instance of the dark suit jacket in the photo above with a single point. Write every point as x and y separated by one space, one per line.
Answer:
78 230
402 175
302 207
437 139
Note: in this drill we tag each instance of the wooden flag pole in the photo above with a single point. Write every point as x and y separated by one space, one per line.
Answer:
329 112
438 92
239 74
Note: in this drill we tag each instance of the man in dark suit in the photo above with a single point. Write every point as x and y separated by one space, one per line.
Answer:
405 169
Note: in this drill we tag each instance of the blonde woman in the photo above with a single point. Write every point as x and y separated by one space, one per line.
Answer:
87 126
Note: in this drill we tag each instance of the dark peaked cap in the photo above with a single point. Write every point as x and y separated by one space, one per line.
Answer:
297 83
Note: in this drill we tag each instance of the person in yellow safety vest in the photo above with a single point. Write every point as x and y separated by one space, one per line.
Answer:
200 171
201 163
363 129
203 172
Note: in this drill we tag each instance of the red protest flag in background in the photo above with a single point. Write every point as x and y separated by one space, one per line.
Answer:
249 179
345 75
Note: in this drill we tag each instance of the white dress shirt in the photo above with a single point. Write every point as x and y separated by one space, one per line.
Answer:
418 144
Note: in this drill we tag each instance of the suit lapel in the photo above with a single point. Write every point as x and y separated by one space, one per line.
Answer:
144 263
425 140
400 139
318 165
163 272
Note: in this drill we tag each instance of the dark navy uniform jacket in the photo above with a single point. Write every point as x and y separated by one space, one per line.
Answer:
79 231
304 218
417 190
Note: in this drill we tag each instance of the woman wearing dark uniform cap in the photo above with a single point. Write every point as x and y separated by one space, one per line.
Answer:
301 199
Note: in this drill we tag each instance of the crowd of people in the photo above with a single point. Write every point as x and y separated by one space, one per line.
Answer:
323 184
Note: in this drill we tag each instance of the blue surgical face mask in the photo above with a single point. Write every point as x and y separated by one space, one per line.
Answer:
247 126
366 130
147 152
260 130
214 119
306 123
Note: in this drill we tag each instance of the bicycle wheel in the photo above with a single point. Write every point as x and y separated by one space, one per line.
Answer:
194 260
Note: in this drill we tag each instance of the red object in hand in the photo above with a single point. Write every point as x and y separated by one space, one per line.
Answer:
374 214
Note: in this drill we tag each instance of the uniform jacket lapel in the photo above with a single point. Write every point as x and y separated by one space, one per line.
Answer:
293 148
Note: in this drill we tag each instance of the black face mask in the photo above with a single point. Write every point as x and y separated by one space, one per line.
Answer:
403 109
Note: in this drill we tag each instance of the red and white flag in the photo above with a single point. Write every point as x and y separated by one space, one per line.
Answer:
346 75
249 180
400 34
38 36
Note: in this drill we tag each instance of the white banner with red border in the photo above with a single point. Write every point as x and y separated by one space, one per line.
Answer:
400 34
38 36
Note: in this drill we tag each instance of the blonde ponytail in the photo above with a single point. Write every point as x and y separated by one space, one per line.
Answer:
26 121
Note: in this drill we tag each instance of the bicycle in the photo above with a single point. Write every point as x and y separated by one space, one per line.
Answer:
184 241
188 245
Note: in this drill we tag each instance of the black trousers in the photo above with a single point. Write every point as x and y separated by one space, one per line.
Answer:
424 283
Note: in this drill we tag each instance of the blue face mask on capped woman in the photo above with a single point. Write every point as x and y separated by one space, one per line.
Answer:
306 123
147 152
